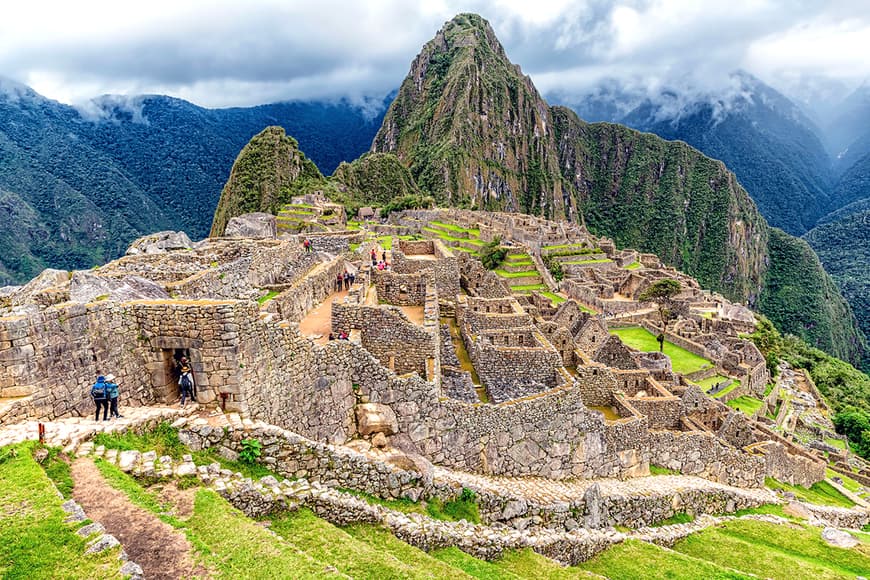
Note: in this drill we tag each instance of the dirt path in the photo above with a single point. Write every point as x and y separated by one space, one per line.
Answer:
319 320
161 550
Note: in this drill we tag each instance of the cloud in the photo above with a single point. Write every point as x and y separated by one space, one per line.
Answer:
225 53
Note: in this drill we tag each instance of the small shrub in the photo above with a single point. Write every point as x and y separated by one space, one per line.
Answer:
492 254
251 451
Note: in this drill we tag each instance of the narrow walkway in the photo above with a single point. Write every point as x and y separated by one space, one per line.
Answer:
318 322
161 550
544 491
70 431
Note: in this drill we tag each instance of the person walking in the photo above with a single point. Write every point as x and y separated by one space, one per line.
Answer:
112 392
338 282
99 394
374 257
185 384
307 245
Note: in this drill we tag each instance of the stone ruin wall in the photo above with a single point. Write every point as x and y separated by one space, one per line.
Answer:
304 295
402 289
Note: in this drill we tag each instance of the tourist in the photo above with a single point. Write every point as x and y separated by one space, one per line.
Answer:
185 384
380 265
338 282
307 245
342 336
112 392
374 257
100 395
331 336
346 280
352 278
384 256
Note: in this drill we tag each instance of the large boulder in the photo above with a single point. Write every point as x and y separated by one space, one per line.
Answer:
86 286
48 278
252 225
376 418
160 242
839 538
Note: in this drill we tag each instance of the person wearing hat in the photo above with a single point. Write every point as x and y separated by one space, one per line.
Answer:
112 390
100 395
185 382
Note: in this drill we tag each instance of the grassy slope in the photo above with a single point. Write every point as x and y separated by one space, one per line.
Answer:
682 361
775 551
633 559
34 541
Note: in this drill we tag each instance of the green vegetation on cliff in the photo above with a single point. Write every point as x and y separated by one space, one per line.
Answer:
801 299
269 171
375 179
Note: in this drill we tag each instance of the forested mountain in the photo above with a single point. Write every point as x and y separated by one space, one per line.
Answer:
79 185
766 140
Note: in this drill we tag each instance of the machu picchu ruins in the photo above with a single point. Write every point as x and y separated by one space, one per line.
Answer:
451 376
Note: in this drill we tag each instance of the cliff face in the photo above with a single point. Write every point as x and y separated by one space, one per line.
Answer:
263 177
374 178
473 130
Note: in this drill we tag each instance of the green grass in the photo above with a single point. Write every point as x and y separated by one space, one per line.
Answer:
238 547
554 298
462 508
34 540
634 266
58 470
528 287
848 482
528 564
354 246
329 544
454 228
838 443
267 296
790 552
580 248
386 242
709 382
640 560
682 361
746 404
513 258
726 390
821 493
506 274
382 540
656 470
470 565
163 439
773 509
400 505
353 225
677 518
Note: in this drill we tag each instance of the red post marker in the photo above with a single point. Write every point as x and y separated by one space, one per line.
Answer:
42 433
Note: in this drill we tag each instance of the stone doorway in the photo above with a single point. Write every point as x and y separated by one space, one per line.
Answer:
166 388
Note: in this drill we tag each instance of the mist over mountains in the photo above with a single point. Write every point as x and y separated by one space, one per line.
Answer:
78 185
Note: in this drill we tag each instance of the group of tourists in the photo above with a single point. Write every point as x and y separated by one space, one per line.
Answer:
306 243
341 336
105 395
375 261
105 391
345 281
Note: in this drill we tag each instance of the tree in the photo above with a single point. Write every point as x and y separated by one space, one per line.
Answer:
492 254
662 292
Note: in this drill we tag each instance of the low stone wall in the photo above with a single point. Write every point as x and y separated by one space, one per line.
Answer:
402 289
306 294
702 454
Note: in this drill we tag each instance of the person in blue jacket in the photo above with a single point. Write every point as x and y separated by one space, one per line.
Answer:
112 391
100 395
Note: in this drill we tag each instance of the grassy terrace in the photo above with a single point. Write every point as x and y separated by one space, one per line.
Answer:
634 266
710 382
528 287
822 493
454 228
682 361
506 274
746 404
34 540
554 298
589 261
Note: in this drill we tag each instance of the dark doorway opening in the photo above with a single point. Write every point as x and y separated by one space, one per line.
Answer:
168 391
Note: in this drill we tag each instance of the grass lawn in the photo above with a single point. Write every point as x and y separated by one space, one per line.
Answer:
709 382
580 248
677 518
821 493
267 296
776 551
454 228
634 266
634 559
682 361
848 482
528 287
386 543
838 443
470 565
529 564
591 261
656 470
506 274
332 545
34 540
554 298
386 242
746 404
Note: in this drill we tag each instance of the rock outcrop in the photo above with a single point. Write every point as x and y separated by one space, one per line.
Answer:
252 225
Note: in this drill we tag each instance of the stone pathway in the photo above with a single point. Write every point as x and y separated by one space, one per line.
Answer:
544 491
318 322
71 431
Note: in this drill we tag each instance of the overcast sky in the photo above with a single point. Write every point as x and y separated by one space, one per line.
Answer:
223 53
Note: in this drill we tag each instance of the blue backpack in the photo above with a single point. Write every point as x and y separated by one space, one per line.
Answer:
98 391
